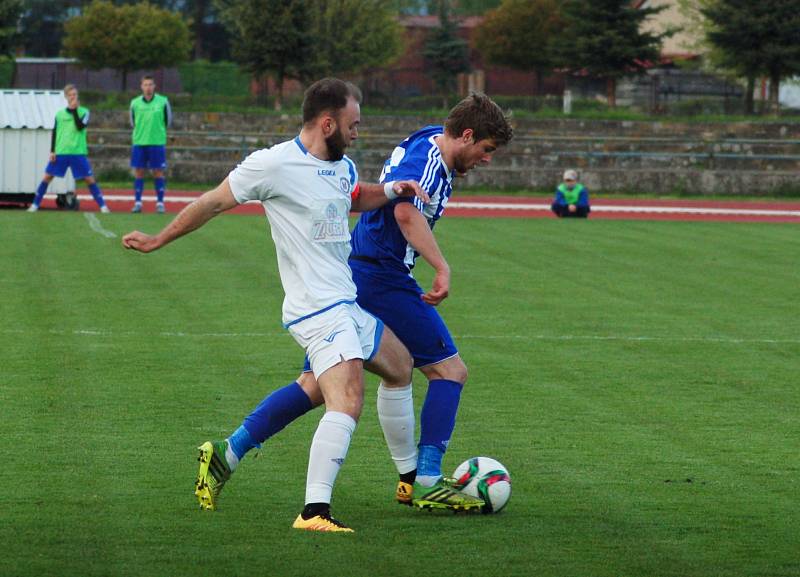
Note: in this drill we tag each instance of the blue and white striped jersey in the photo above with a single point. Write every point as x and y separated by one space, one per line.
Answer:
377 235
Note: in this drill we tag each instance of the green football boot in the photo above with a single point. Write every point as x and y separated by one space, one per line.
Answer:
214 472
443 496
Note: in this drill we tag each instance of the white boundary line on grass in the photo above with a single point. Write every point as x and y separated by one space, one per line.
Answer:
95 225
623 338
546 207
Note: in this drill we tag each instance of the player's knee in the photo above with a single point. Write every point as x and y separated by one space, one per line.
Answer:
452 369
351 402
458 372
311 388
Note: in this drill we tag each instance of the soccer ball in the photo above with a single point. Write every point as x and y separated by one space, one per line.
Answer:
485 478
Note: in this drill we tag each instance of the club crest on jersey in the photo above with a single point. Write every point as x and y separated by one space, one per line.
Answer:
344 184
330 225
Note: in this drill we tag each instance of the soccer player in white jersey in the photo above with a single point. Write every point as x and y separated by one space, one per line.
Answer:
386 244
308 187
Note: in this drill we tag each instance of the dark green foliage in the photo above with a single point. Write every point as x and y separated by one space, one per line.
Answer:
128 37
353 35
757 38
306 40
10 12
520 34
604 38
201 77
446 54
271 38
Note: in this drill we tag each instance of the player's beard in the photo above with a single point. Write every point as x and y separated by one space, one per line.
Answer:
336 145
460 167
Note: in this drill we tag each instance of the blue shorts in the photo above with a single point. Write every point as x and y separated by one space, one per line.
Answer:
78 163
394 297
152 157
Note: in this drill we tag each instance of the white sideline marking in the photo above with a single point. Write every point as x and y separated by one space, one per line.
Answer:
546 207
637 209
94 224
182 334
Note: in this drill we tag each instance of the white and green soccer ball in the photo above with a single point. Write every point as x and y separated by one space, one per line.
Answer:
487 479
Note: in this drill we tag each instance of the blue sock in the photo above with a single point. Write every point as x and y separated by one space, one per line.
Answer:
241 442
138 189
161 184
97 195
437 421
40 192
277 410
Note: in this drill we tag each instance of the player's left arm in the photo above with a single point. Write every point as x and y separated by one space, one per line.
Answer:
167 115
80 121
418 233
191 218
369 196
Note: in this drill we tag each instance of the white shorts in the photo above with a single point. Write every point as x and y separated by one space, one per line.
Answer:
344 332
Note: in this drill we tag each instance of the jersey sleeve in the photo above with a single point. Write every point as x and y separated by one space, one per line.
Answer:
253 178
167 114
408 171
353 173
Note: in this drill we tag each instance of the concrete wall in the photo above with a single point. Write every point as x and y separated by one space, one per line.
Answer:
657 157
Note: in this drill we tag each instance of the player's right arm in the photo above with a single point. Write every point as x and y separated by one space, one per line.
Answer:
418 233
191 218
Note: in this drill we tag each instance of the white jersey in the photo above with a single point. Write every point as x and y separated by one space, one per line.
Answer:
307 201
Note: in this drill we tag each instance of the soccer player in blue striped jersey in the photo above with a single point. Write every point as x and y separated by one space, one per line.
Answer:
386 244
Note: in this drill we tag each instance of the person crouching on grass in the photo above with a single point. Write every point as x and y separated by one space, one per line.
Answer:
572 198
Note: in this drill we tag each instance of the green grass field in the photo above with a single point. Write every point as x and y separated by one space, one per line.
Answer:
638 379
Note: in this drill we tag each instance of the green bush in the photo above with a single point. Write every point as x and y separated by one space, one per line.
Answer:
214 78
6 71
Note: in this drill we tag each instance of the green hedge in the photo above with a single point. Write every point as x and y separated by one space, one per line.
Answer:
6 72
214 78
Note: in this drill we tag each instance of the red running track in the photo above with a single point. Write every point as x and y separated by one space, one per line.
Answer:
525 207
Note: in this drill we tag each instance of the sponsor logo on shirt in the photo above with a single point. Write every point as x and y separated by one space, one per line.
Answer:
330 226
326 172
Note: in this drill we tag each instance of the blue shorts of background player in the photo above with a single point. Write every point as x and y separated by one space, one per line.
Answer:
78 163
152 157
81 170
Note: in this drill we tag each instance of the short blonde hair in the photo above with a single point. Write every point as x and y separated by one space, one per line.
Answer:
69 87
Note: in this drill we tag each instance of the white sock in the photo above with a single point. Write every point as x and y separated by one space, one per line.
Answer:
230 456
396 414
328 451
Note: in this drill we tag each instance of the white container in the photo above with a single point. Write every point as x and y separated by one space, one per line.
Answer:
27 118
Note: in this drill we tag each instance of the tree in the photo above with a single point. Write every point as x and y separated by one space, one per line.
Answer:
757 38
353 35
604 38
520 34
446 55
271 38
307 39
10 12
126 38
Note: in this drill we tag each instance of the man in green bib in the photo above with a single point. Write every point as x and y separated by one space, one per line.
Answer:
68 149
151 115
572 198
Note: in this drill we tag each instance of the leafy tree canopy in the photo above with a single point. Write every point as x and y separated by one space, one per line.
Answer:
446 54
520 34
126 38
10 12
